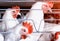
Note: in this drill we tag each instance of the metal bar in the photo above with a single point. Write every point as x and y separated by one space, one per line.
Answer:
45 13
23 9
22 19
30 9
53 12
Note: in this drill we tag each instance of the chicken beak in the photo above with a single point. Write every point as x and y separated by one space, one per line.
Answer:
49 9
50 5
19 14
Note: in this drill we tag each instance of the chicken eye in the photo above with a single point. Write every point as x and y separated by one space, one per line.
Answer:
24 30
13 11
45 5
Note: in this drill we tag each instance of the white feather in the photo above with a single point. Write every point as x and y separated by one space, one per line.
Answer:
8 20
37 15
1 37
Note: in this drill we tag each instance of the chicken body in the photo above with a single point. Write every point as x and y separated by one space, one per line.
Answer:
37 16
54 32
8 20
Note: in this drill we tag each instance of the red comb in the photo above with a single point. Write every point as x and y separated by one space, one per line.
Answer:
15 7
56 35
28 26
50 4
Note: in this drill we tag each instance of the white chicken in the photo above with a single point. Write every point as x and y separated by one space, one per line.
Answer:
54 32
36 14
19 32
11 23
10 18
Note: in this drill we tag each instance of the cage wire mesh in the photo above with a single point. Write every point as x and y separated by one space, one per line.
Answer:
47 26
2 11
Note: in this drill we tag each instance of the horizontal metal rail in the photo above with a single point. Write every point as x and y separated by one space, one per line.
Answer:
45 13
30 9
54 11
25 19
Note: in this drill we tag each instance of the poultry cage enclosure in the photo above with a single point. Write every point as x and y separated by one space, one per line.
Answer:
52 19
